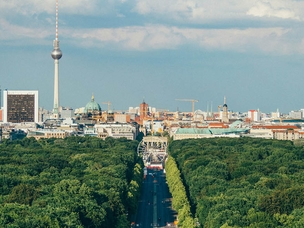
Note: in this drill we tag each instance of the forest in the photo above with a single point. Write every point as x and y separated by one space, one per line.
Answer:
71 182
242 182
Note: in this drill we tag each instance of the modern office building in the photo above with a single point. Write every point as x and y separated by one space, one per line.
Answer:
20 106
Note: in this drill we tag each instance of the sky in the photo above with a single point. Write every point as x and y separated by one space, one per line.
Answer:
130 51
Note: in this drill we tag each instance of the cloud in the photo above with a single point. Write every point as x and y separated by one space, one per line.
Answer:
275 40
151 37
132 37
273 9
11 32
175 9
161 36
203 11
32 7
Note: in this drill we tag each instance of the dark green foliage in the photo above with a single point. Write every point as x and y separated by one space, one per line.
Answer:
23 194
71 182
242 182
283 201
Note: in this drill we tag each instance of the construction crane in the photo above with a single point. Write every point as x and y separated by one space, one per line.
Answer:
191 100
109 104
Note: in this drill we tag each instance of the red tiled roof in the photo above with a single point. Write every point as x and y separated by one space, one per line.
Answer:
217 125
275 127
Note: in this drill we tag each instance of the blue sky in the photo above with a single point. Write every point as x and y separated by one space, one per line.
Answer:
122 51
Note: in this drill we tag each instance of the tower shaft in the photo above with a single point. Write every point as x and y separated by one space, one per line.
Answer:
56 89
56 55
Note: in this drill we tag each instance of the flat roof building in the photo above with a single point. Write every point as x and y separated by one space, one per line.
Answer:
20 106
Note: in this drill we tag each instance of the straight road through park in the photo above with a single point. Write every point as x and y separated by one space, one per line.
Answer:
154 207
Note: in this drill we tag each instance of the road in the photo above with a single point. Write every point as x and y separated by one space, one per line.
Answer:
154 207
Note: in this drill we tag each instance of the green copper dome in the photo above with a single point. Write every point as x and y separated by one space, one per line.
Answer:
92 106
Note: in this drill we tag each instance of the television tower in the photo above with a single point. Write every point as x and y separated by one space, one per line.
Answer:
56 55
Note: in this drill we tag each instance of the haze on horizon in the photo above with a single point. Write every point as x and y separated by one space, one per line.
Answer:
126 51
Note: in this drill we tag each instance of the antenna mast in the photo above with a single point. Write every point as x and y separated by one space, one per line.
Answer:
56 20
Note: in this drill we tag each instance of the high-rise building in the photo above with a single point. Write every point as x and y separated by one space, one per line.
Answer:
56 55
20 106
254 115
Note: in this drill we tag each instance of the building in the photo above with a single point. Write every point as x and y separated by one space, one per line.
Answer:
66 113
47 133
121 118
276 115
295 115
254 115
154 126
143 112
116 130
196 133
20 106
212 131
225 118
288 134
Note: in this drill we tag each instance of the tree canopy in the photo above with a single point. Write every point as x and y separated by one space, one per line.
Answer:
71 182
242 182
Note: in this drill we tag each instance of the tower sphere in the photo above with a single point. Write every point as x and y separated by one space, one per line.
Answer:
56 53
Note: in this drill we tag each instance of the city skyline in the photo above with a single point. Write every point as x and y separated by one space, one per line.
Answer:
129 51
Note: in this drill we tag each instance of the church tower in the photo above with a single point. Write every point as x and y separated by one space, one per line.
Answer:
143 111
225 118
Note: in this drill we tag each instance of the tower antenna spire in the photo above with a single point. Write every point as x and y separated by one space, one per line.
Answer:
56 55
56 20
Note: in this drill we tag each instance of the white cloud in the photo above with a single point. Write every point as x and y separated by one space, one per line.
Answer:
134 37
10 32
268 40
193 10
199 11
32 7
275 39
176 9
185 11
152 37
277 9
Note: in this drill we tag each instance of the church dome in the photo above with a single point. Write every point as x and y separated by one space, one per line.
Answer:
92 106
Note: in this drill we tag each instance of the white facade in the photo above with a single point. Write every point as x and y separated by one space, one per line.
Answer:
116 131
254 115
261 133
275 115
6 93
120 118
295 115
134 110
